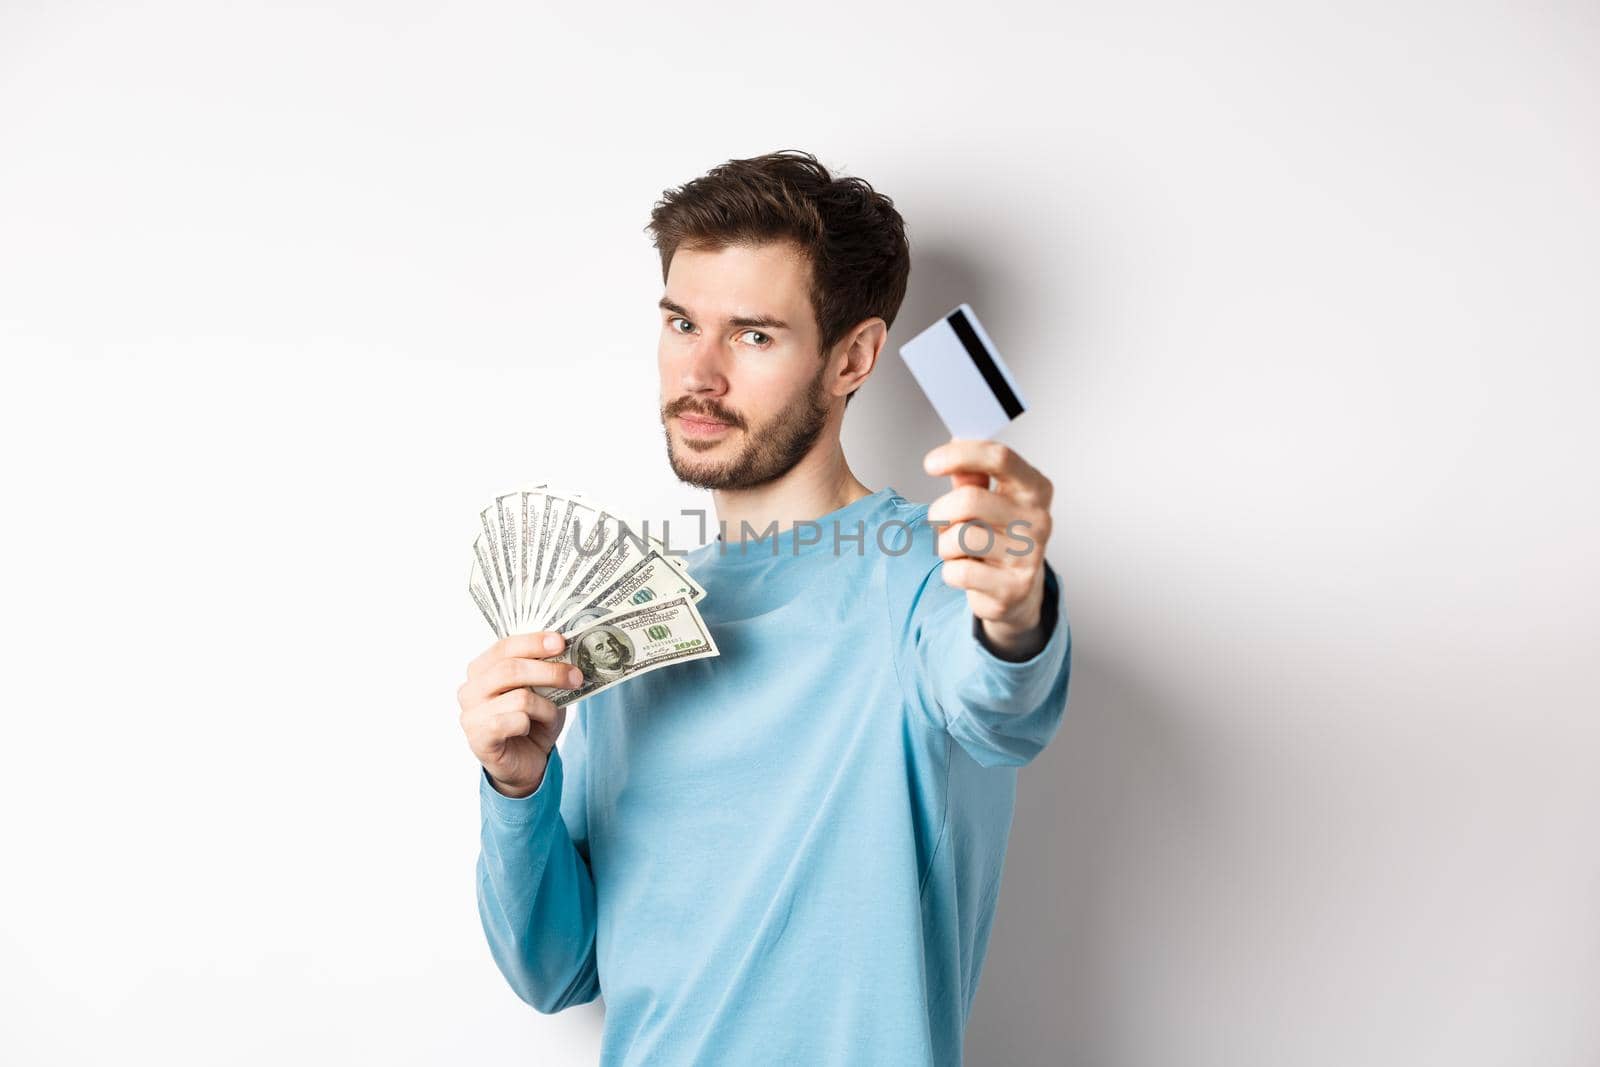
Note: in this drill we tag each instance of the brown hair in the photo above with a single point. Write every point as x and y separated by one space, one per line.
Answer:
852 235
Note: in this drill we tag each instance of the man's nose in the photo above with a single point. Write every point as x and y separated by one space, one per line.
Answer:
704 369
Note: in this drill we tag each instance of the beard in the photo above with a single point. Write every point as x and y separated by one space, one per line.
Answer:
768 453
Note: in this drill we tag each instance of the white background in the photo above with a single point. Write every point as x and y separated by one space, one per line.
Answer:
1304 302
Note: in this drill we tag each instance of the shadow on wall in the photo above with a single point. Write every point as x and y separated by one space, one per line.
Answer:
1116 790
1113 805
890 426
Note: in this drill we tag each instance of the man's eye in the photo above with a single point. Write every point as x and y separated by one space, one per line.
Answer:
758 333
674 321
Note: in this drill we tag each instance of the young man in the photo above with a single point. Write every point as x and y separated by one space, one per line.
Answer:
791 852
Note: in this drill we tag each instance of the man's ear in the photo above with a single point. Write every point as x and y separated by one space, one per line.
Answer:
861 348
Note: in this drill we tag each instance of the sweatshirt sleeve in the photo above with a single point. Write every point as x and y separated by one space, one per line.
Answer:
1003 712
535 890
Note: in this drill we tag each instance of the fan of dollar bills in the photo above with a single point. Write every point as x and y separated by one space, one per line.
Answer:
550 559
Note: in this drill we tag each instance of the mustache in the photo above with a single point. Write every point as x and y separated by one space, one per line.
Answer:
687 406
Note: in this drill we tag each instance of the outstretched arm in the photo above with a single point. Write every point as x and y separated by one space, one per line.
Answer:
986 640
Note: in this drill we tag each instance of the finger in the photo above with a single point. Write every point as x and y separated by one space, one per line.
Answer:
491 722
502 726
512 715
995 593
976 502
970 456
509 715
509 674
981 541
960 479
524 701
986 579
532 645
987 607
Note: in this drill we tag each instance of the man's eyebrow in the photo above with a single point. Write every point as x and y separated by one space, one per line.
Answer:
763 322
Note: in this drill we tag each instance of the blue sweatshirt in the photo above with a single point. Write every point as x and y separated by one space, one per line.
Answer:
789 853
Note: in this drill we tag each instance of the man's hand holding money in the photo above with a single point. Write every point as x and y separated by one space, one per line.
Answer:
510 728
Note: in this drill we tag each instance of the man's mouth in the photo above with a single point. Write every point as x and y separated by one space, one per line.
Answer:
700 426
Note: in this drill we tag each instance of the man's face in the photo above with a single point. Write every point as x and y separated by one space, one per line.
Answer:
741 376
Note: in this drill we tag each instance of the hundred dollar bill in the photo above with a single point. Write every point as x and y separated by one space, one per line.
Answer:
488 550
507 511
482 597
546 520
566 516
676 562
652 578
627 644
533 509
592 530
481 583
620 551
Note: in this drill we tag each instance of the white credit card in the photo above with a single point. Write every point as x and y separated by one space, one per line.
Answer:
962 372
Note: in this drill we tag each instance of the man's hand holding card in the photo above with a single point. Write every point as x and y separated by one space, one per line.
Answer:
996 518
994 544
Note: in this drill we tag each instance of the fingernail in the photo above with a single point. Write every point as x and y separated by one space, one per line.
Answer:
575 676
552 642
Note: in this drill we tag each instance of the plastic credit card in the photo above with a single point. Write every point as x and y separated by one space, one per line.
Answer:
967 382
